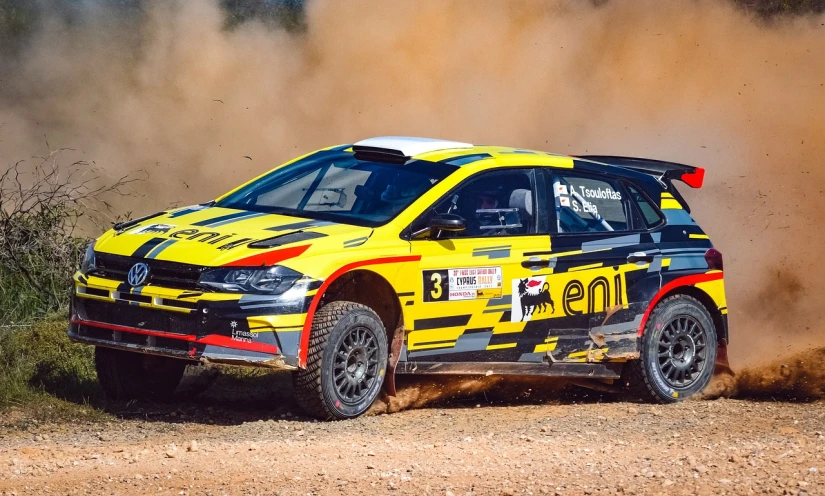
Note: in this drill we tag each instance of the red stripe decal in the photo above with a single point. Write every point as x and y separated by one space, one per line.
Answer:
115 327
227 342
212 339
302 352
269 257
676 283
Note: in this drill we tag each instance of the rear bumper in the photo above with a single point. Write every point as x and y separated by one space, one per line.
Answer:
216 332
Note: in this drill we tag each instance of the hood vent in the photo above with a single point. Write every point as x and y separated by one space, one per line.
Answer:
286 239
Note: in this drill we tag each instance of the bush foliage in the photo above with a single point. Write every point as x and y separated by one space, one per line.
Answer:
38 359
41 204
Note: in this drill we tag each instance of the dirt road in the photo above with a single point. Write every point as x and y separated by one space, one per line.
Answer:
228 441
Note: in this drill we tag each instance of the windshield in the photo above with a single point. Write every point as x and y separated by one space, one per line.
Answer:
334 185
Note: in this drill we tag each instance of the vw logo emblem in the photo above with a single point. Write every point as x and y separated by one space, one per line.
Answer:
138 274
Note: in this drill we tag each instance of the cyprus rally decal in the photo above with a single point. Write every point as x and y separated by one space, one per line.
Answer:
462 284
531 295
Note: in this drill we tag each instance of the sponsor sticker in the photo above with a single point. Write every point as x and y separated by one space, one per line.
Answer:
531 296
462 284
242 335
488 293
155 228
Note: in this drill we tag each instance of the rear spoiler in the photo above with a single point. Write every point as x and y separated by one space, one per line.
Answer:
692 176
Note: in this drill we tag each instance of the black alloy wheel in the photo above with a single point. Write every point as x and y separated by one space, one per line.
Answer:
356 365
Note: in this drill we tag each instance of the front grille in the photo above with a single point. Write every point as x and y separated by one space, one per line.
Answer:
166 274
139 317
136 298
96 292
191 305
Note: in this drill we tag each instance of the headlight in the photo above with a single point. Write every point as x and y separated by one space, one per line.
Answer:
88 263
263 280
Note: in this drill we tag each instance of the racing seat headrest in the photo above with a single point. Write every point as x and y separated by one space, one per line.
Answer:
522 199
364 193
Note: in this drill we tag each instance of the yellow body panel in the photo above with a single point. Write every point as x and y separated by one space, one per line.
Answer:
208 236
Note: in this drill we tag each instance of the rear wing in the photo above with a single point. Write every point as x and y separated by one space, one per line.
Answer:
692 176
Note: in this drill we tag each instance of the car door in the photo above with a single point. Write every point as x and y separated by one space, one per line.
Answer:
464 310
600 266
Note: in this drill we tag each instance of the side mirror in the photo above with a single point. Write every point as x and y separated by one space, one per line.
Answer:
447 222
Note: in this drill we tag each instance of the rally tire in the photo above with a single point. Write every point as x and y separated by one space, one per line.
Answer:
125 375
653 377
318 387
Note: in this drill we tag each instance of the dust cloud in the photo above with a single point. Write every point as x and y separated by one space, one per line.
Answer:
200 108
796 377
422 391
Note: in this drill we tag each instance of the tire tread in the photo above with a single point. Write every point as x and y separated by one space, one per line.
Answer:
307 381
635 375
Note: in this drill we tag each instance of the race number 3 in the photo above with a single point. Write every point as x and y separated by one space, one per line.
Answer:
436 285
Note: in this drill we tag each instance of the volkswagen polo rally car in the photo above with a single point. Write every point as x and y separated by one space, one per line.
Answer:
415 256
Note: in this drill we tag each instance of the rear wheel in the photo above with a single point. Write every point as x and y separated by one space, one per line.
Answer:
346 362
679 348
125 375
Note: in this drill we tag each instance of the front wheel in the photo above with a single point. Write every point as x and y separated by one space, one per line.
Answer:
346 362
678 354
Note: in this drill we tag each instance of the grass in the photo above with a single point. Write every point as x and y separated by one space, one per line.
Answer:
45 377
44 373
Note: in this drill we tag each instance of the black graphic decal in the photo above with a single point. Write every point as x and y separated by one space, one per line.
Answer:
534 302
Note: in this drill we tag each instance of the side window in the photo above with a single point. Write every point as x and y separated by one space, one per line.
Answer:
650 215
499 203
585 204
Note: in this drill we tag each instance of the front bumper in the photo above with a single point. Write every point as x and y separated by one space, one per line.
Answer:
209 327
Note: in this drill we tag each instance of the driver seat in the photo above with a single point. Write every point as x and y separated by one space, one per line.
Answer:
522 199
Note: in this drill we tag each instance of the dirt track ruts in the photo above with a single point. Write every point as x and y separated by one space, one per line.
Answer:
563 447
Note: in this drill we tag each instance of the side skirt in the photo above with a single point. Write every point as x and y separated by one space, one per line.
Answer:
607 370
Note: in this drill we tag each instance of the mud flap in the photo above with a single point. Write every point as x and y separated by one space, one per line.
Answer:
395 354
722 365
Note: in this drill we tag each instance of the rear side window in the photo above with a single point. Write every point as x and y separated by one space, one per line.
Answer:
585 204
650 214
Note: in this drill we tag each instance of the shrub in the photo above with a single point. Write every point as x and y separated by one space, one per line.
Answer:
40 207
41 204
39 358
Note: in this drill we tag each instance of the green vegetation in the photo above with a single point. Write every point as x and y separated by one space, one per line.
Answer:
19 19
41 204
775 8
38 360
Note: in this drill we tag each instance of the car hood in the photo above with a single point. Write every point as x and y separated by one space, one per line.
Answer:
215 236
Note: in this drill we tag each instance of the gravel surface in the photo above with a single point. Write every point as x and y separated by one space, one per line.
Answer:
217 445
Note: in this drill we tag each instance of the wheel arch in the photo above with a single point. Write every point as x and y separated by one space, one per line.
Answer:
374 291
323 290
686 285
371 289
707 301
392 318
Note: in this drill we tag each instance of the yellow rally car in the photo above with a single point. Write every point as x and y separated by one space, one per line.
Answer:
415 256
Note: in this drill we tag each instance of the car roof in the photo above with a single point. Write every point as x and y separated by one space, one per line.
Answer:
457 153
399 149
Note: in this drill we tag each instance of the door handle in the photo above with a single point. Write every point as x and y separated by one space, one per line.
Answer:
538 263
639 256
